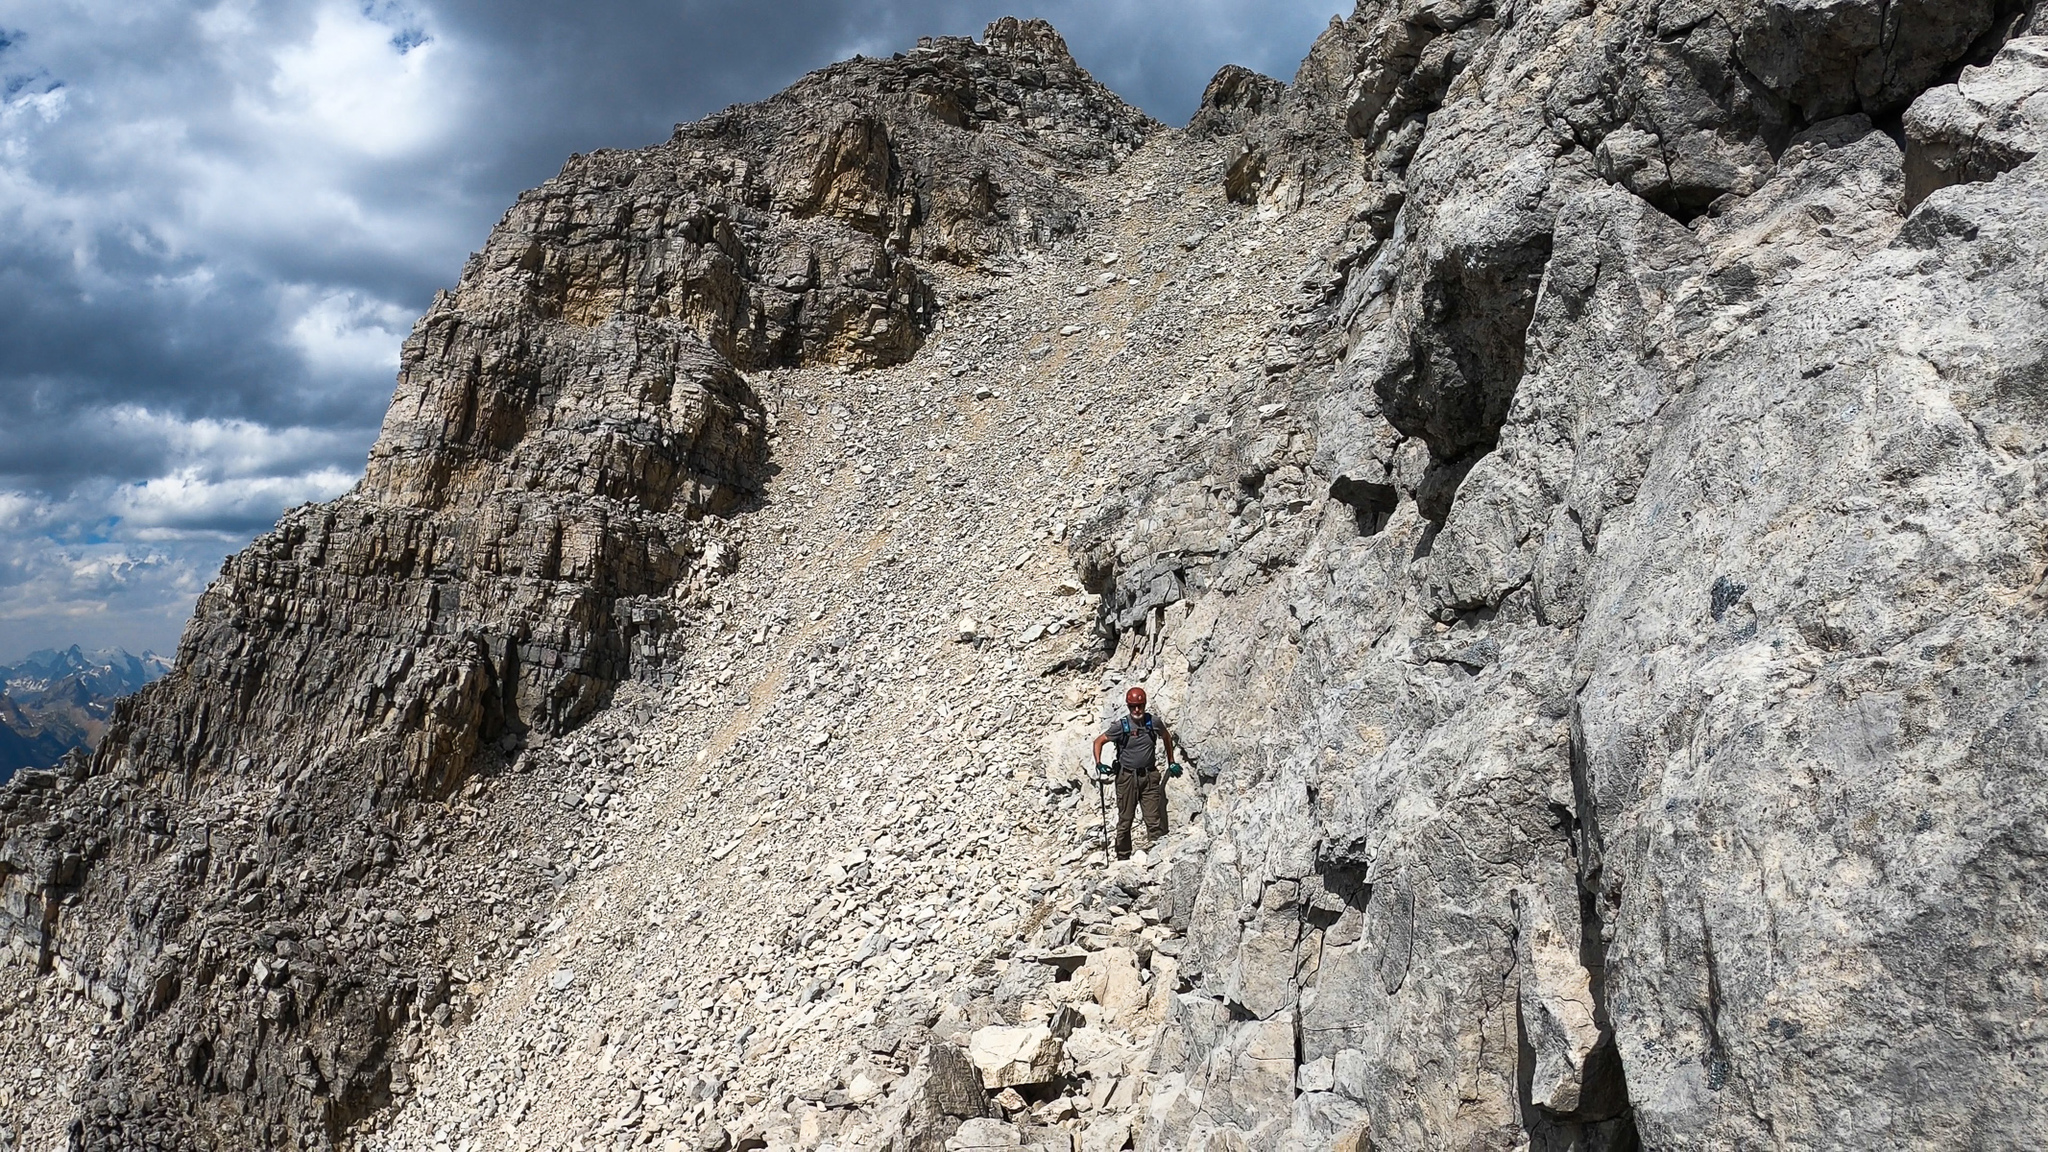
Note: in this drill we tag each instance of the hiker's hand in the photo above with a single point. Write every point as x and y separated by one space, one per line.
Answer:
1106 769
1173 771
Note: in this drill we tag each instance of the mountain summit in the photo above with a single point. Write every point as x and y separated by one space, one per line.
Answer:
1566 474
53 702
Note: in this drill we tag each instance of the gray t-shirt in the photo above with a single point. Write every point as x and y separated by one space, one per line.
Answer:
1135 742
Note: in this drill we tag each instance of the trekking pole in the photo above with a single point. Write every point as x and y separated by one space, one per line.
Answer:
1102 807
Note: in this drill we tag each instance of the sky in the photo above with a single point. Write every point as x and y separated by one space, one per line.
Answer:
219 220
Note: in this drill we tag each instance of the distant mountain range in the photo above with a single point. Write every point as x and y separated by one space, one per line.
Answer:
52 702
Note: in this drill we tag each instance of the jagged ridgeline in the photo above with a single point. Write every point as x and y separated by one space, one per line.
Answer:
1570 472
540 509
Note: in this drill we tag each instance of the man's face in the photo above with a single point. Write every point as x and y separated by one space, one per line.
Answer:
1137 709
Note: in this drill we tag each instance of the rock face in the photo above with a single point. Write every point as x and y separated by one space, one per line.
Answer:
539 516
1598 590
1629 737
1993 119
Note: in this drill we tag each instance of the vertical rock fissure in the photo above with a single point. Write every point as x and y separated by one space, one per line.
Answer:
1715 1058
1602 1114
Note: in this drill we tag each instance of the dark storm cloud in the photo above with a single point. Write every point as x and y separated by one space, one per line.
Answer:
217 223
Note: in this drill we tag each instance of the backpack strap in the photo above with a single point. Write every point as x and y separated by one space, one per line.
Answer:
1150 729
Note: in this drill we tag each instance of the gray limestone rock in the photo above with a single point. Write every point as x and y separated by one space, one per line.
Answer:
1603 609
1991 120
941 1090
1234 96
1648 697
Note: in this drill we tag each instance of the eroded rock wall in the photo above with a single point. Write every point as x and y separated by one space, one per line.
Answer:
1610 619
1604 628
251 875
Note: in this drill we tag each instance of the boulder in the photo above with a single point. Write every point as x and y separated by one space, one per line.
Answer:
978 1134
1112 975
1991 120
941 1089
1008 1057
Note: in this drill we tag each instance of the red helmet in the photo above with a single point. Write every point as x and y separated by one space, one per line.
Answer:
1135 698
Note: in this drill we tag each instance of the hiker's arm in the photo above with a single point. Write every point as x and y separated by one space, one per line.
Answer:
1096 757
1166 736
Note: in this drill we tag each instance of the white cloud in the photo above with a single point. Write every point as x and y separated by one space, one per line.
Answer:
266 166
359 86
119 564
186 503
250 139
347 334
219 449
22 513
316 126
56 592
222 479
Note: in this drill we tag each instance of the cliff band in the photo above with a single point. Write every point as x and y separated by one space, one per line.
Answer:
1567 471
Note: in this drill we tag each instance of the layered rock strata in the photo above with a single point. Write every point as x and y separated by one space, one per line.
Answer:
1567 471
543 509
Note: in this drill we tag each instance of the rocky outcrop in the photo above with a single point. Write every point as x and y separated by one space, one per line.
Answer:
1599 601
1233 100
239 876
522 545
1605 636
1990 121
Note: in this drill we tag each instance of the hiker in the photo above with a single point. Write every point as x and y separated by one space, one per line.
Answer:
1137 776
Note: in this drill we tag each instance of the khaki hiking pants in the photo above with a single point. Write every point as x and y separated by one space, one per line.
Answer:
1133 790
